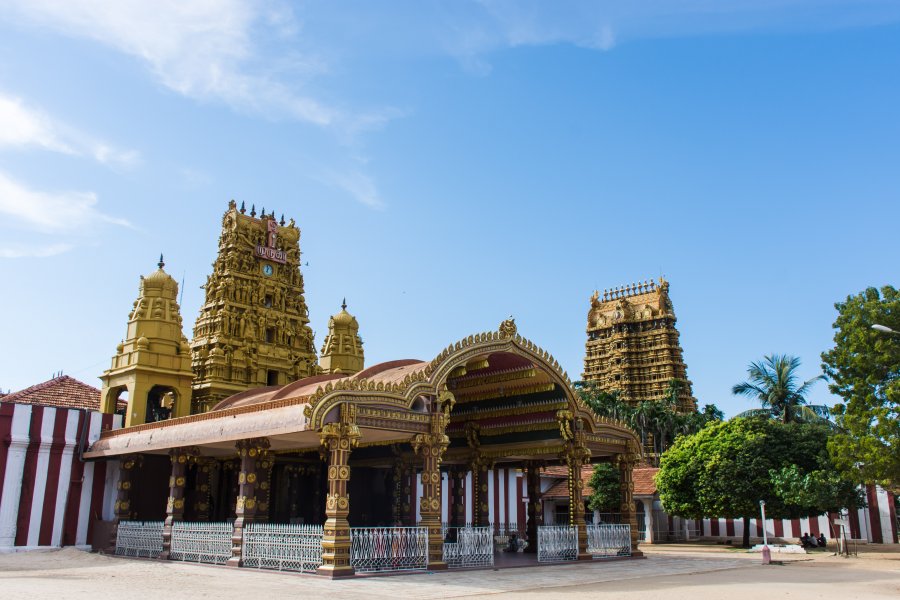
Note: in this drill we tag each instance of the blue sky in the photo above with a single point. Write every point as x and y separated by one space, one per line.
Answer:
451 163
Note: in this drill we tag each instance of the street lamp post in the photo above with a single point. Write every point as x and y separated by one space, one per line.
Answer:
766 553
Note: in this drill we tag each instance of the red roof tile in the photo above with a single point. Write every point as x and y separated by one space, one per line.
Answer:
644 484
63 391
644 481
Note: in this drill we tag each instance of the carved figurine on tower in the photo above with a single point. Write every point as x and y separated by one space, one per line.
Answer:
253 328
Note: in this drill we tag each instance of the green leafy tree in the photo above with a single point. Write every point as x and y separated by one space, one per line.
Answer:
726 468
864 369
823 490
773 381
606 495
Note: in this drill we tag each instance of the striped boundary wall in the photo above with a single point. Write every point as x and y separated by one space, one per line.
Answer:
876 523
48 496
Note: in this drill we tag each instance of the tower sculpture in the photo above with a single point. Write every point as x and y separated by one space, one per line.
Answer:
153 362
633 346
253 328
342 351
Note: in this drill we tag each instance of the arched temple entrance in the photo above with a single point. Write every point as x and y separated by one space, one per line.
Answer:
431 445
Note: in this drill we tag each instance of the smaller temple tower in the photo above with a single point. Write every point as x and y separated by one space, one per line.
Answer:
153 363
342 351
633 345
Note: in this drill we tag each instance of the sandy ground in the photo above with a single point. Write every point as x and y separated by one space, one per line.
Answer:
668 572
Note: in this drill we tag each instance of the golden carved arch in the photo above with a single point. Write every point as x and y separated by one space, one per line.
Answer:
431 380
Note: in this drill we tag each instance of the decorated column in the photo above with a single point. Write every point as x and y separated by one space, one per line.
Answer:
480 508
338 439
202 485
456 479
251 453
180 458
430 447
575 456
535 509
626 486
130 463
264 487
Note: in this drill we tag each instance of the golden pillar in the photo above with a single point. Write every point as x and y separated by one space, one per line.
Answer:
130 463
431 447
251 453
535 508
626 464
338 439
181 458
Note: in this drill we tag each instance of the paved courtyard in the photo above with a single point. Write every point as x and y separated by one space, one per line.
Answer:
668 572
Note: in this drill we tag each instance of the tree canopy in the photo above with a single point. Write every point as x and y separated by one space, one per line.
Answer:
864 369
606 495
725 469
773 381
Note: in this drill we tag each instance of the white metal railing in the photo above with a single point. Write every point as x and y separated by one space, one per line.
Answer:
201 542
468 547
609 540
557 543
283 547
139 538
388 548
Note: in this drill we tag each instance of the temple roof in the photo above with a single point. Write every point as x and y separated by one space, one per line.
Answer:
62 391
393 371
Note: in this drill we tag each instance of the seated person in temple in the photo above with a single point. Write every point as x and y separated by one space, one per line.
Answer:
513 543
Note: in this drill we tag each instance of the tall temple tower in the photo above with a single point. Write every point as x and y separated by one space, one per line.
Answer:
253 326
153 363
633 346
342 351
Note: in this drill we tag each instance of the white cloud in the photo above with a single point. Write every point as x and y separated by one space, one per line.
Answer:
203 49
356 183
53 213
22 126
23 251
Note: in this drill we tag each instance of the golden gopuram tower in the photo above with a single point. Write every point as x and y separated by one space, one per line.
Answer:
633 346
253 329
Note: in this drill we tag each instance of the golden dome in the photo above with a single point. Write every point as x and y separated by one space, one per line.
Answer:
159 278
344 318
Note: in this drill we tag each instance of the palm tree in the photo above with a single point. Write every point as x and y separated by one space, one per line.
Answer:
773 381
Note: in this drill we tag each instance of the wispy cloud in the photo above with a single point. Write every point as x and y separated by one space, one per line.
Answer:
52 213
22 126
203 49
24 251
357 184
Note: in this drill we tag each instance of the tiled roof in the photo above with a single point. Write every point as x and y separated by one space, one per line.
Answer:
63 391
643 482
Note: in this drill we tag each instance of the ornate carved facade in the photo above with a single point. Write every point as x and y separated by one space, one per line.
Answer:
633 346
253 327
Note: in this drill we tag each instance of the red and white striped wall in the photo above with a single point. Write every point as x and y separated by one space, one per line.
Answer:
877 523
48 496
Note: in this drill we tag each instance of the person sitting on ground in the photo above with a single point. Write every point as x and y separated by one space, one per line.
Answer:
513 543
808 541
823 543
